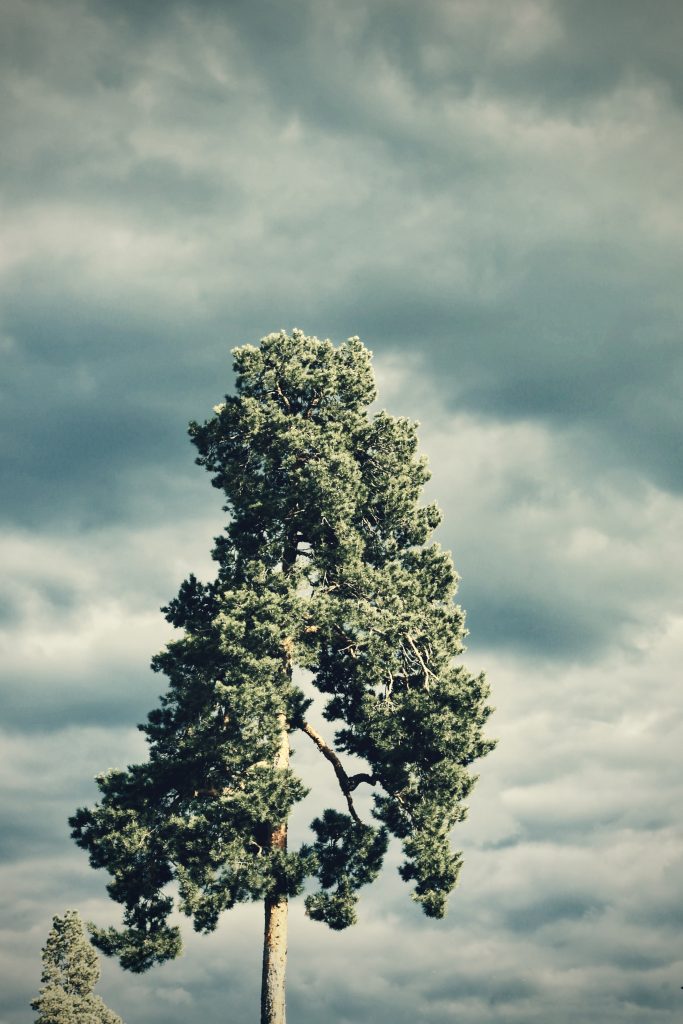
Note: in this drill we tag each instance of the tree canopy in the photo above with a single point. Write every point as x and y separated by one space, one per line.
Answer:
325 566
70 972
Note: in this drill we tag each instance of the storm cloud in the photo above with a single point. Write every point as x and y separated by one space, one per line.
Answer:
489 195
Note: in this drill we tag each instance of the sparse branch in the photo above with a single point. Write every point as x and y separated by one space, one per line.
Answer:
282 395
347 783
425 668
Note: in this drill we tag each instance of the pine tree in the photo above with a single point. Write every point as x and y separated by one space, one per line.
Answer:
70 972
325 566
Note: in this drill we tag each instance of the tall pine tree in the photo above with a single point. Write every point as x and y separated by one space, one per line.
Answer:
325 565
70 972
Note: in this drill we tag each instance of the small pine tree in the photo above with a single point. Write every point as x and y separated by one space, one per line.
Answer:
70 972
325 565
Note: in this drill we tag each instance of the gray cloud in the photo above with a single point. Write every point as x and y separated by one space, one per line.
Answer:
489 195
572 570
527 927
527 252
85 620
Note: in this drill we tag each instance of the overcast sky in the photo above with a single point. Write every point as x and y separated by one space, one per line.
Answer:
488 193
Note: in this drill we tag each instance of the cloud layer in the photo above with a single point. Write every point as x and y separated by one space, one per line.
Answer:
489 196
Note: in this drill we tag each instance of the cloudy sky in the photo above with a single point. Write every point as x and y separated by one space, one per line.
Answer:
488 193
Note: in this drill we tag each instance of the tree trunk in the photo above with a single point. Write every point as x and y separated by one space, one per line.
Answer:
274 962
275 930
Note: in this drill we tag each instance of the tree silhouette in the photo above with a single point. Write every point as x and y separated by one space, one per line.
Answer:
70 972
324 565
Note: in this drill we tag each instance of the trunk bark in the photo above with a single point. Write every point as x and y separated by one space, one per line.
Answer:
274 962
275 930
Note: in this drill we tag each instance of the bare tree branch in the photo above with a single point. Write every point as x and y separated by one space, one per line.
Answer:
427 671
347 784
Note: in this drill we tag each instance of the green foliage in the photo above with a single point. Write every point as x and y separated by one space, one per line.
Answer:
70 971
325 564
347 855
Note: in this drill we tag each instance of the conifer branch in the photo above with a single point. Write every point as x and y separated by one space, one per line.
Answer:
346 783
425 668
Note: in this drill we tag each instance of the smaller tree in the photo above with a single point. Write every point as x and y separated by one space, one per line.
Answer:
71 970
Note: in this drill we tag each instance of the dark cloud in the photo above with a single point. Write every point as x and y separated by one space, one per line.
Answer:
20 834
96 406
622 39
547 322
500 991
552 911
550 52
32 705
489 196
556 631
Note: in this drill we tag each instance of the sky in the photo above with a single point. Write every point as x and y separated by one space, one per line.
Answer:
487 192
